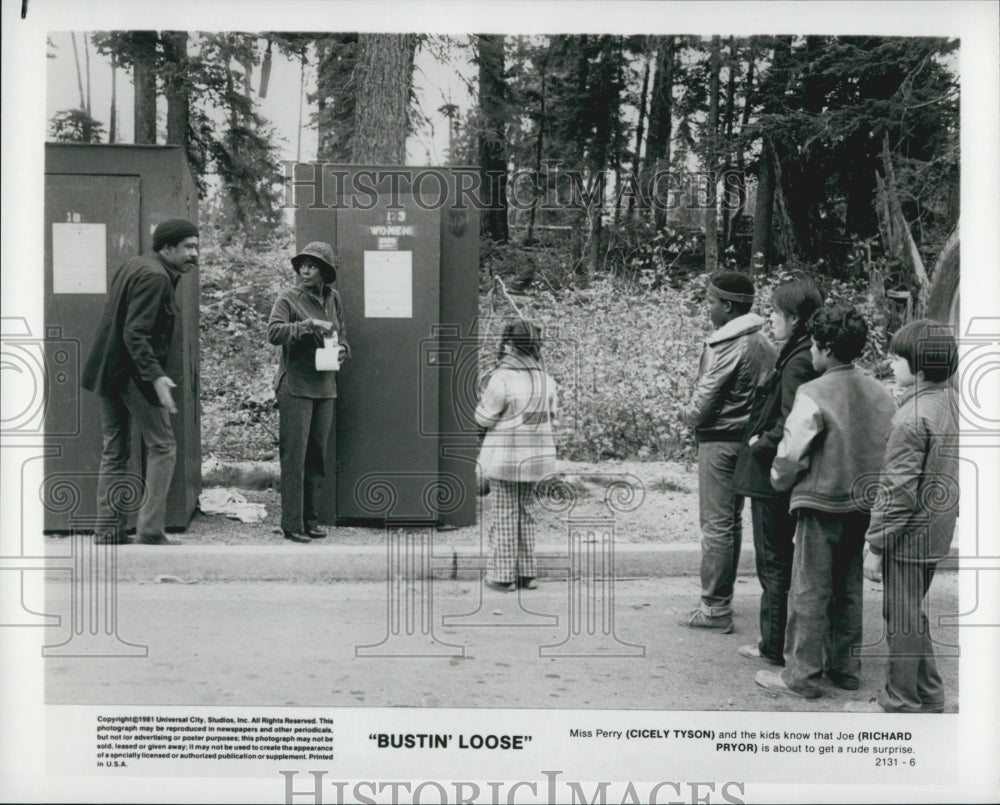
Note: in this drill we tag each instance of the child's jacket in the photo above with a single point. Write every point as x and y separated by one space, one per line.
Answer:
518 407
735 359
833 443
771 404
914 518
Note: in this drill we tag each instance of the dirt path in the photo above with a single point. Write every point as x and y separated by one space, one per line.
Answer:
661 498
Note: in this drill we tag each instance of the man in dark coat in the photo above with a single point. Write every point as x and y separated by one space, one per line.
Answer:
126 369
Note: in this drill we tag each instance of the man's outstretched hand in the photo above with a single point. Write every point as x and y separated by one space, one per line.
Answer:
163 385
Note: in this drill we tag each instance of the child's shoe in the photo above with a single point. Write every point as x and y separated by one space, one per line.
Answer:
771 680
696 619
503 586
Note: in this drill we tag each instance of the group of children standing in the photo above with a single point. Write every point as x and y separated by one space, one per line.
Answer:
842 483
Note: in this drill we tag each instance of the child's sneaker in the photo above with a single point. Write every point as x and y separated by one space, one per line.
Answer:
771 680
696 619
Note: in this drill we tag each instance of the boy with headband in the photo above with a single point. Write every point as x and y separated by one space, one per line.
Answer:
735 359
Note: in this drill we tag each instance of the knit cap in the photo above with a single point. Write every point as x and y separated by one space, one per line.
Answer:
173 231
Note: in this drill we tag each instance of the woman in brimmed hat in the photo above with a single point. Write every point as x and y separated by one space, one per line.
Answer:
302 317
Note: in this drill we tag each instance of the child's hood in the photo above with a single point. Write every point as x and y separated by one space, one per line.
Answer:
741 325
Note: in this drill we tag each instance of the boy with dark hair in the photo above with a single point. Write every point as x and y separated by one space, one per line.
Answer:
735 359
834 435
914 520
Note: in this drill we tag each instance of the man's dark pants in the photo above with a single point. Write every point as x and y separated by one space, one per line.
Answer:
118 412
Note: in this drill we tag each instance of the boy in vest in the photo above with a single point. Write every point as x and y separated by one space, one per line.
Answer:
834 439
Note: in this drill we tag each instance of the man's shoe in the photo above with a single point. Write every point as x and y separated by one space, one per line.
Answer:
753 652
296 537
696 619
527 583
843 682
503 586
771 680
315 532
932 708
159 540
111 539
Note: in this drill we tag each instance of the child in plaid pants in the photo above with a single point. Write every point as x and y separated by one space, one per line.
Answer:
517 409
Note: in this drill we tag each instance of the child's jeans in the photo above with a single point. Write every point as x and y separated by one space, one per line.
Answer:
773 531
825 601
912 683
720 511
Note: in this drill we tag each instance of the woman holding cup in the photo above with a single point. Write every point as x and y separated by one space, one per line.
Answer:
307 322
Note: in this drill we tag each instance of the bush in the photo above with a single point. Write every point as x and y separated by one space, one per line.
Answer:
624 368
238 287
624 350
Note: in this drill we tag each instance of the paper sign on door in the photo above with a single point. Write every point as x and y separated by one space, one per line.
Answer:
79 258
388 285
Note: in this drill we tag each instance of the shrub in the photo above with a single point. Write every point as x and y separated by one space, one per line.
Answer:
624 350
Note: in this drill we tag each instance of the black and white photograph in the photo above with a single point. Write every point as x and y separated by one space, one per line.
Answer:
500 402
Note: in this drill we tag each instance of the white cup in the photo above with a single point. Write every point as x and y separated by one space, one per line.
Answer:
328 357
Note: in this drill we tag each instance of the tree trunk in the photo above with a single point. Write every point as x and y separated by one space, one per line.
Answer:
382 76
788 245
539 147
144 79
302 95
113 124
492 136
175 44
79 72
744 121
905 245
760 250
763 246
639 128
86 57
727 144
711 161
943 299
595 227
660 122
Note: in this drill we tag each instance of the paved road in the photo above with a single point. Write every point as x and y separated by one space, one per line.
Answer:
299 644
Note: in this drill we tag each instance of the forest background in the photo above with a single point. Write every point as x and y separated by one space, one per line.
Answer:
833 157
